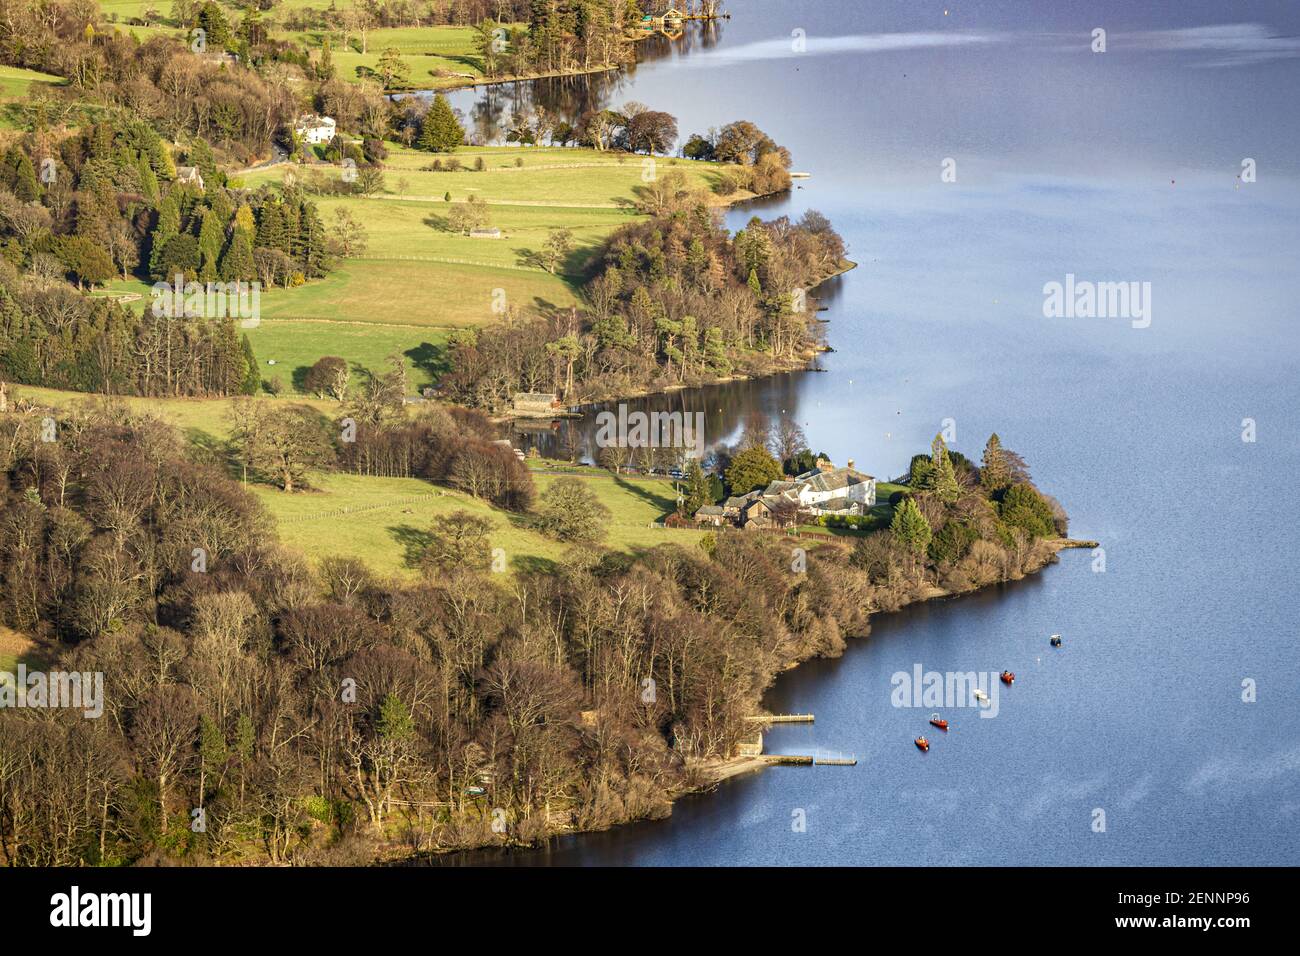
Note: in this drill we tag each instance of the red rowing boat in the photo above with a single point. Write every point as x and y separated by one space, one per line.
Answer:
922 743
1008 677
937 721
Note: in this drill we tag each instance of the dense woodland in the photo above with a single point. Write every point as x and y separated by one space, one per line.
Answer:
103 201
673 300
322 714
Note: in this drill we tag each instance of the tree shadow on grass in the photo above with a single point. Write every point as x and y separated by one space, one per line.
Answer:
208 449
414 541
473 62
580 262
654 498
431 359
533 564
531 259
34 658
550 309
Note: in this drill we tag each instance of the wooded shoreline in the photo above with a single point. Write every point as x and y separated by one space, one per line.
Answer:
717 772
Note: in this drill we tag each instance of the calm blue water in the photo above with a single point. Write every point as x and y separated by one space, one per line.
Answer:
1115 166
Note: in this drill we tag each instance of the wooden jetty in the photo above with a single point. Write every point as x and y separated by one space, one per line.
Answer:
754 746
810 760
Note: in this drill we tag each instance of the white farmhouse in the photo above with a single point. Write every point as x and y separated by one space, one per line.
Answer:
836 489
315 130
826 490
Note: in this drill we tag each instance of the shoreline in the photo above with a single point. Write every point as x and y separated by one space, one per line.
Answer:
784 367
719 770
470 83
722 770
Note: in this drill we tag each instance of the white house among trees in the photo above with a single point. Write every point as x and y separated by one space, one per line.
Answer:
315 130
825 490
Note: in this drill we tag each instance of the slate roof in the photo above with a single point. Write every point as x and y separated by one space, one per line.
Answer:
837 480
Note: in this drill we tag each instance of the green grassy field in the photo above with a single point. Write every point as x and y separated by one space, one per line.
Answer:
295 346
436 57
388 531
417 272
417 280
525 175
16 88
202 419
411 247
433 294
16 83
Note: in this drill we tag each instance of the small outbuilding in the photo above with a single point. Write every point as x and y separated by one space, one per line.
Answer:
189 176
536 404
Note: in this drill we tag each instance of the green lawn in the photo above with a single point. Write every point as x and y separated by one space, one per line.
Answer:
295 346
388 530
16 83
400 228
886 488
433 294
526 175
16 88
416 272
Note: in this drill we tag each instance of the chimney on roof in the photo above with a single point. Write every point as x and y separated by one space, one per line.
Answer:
850 464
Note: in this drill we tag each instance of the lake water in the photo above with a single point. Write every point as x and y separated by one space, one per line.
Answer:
1114 166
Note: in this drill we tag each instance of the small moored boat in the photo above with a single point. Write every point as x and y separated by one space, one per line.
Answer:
922 743
980 695
1008 677
937 721
1056 640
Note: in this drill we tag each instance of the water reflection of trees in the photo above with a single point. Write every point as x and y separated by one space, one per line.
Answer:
488 110
566 98
725 409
